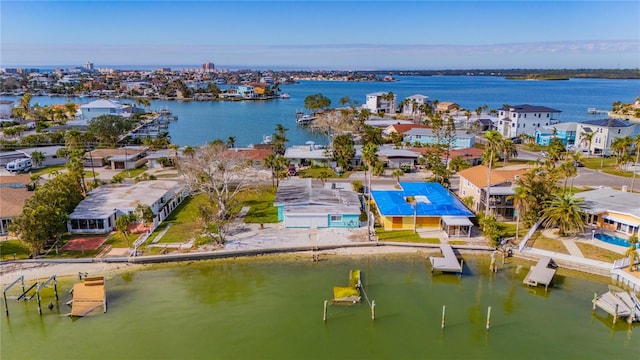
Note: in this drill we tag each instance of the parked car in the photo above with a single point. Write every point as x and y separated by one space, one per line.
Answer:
578 164
291 171
543 153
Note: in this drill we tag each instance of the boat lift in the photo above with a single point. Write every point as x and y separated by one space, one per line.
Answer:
25 292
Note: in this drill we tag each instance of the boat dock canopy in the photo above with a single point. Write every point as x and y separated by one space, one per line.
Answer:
449 263
88 296
541 273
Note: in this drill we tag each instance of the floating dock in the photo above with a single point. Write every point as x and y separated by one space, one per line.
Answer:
349 294
541 273
448 263
88 296
619 304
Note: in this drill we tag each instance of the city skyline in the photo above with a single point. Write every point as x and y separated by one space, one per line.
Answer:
350 35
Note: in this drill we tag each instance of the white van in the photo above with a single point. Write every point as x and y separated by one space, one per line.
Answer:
19 165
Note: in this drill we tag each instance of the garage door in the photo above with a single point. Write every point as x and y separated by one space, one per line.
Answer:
306 221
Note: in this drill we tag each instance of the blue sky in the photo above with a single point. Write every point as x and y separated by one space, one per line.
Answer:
323 34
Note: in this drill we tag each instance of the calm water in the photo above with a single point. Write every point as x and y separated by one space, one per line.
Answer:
272 309
249 121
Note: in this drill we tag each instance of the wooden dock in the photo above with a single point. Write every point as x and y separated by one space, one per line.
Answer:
88 296
619 304
448 263
541 273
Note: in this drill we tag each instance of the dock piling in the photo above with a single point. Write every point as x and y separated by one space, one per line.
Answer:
373 310
488 317
444 309
324 314
595 298
615 315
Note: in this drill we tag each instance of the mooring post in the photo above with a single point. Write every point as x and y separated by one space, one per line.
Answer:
595 297
324 314
373 310
461 267
615 315
488 317
55 287
444 309
6 308
38 297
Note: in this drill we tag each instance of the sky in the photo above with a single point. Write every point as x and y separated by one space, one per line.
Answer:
345 35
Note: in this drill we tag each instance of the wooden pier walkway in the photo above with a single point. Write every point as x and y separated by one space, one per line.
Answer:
541 273
619 304
89 295
448 263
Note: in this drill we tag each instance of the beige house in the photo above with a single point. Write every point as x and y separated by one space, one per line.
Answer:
13 195
473 183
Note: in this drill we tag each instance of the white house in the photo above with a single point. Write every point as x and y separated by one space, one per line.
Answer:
515 120
50 154
462 139
604 132
5 109
376 103
97 213
414 103
101 107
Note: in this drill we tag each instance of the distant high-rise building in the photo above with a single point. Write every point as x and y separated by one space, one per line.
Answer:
88 66
208 67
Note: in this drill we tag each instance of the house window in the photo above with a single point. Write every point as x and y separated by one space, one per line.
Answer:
477 191
608 221
618 131
464 192
336 218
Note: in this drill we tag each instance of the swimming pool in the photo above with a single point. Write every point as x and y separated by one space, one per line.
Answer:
612 240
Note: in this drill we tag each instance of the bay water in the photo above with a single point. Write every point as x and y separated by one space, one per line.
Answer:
250 121
272 308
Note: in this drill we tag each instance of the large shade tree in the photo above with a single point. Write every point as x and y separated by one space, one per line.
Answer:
221 174
108 129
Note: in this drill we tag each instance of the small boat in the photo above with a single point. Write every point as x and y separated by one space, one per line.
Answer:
285 96
267 139
351 293
304 119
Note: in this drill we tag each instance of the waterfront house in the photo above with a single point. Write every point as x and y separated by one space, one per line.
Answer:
422 205
307 155
473 184
604 132
124 158
383 123
97 213
377 103
14 192
101 107
447 107
463 139
245 91
412 105
565 132
524 119
612 210
6 106
301 204
401 128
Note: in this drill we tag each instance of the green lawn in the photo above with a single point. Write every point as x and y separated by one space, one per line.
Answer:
506 230
45 171
608 166
403 236
183 220
597 253
545 243
10 247
132 173
315 173
262 210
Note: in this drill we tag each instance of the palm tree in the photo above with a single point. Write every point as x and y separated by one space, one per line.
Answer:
509 150
564 211
396 174
38 158
567 169
636 142
493 146
231 142
370 158
619 147
586 138
631 251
